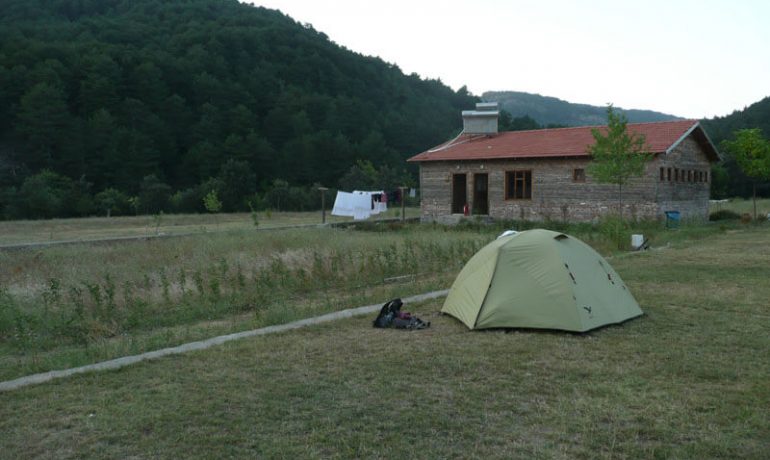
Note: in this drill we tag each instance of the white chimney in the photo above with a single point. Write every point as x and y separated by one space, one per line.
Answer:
483 120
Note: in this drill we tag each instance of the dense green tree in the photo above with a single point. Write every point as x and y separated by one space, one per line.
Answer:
277 193
361 176
118 90
721 129
43 121
101 148
617 155
239 183
154 195
112 202
97 93
365 176
507 122
146 83
42 195
752 153
202 162
719 182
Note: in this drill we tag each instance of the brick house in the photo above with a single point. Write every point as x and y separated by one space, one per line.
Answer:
543 174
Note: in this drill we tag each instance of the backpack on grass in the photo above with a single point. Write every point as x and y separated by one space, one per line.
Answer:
388 313
392 316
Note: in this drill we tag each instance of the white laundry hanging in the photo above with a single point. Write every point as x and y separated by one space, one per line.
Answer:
375 207
359 205
355 205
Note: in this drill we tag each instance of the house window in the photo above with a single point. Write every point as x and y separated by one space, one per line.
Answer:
578 175
706 176
676 174
689 175
669 174
518 185
662 174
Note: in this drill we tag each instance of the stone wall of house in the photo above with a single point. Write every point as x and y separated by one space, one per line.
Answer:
690 194
557 196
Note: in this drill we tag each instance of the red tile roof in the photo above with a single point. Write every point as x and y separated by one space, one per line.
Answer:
559 142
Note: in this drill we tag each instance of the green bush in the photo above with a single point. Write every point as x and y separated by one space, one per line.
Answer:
154 195
724 214
112 202
189 200
615 230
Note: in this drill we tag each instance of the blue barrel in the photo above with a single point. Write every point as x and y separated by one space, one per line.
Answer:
672 219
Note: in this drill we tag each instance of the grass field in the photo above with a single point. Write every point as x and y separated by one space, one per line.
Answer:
96 228
64 306
741 206
690 379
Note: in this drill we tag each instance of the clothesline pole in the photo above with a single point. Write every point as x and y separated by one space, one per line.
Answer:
323 203
403 203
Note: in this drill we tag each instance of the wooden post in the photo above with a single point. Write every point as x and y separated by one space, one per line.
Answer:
323 203
403 202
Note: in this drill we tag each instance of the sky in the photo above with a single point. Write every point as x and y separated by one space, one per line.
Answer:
693 59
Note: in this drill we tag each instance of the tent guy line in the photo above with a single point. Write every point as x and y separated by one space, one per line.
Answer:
204 344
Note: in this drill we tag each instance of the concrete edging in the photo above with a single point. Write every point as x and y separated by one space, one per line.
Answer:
203 344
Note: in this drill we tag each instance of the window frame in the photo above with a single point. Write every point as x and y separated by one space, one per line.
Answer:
507 195
578 178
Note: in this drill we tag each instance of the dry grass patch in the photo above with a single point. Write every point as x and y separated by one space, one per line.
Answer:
97 228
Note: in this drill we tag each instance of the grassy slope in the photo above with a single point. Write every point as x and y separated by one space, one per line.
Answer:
690 379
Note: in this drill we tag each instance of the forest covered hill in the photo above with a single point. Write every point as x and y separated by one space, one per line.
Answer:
733 181
124 106
548 110
136 96
757 115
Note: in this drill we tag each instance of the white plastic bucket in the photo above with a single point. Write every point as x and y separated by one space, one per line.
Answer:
637 241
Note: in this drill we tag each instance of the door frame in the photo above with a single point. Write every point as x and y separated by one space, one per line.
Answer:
457 207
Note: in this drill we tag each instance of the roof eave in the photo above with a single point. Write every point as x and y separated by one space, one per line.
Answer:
518 157
709 144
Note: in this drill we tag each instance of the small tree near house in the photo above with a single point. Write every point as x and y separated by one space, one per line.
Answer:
752 153
618 156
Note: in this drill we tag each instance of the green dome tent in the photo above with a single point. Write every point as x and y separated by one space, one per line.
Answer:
539 279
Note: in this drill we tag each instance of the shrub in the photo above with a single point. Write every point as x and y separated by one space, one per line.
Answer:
112 202
615 230
154 195
43 195
188 201
724 214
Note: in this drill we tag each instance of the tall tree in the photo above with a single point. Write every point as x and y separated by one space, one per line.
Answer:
43 120
752 152
118 90
617 154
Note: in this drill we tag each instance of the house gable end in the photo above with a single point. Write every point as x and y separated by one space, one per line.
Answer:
697 133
